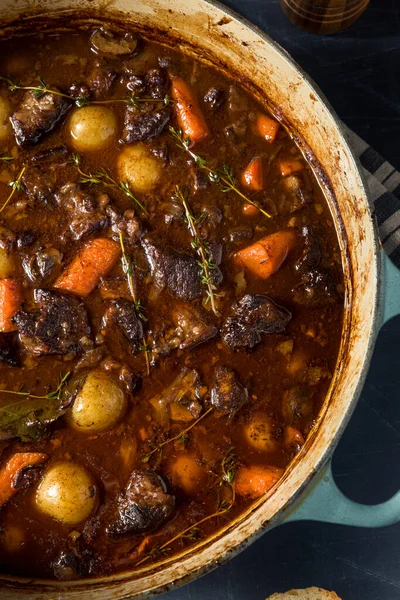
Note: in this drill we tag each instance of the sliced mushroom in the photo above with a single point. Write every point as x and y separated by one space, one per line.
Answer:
112 44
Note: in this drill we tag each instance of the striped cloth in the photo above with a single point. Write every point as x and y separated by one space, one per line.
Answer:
384 184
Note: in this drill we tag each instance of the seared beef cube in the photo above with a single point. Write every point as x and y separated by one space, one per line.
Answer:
127 223
228 395
317 288
136 84
39 185
26 238
180 273
253 316
124 313
39 266
156 83
60 326
9 350
214 97
192 328
7 238
37 116
73 564
143 506
79 91
144 126
101 80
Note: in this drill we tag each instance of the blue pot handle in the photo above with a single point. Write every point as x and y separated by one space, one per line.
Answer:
323 500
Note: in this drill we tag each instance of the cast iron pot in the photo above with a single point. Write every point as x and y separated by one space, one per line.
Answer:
306 490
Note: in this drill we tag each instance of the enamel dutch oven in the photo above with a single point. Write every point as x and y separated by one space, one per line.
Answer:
307 490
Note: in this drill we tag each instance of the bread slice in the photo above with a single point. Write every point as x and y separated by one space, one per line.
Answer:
311 593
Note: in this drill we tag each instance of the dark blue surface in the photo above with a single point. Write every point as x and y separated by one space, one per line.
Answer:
359 71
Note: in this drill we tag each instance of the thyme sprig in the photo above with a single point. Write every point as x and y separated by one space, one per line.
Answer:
16 186
206 263
42 88
52 395
192 532
222 177
6 158
103 177
178 436
127 268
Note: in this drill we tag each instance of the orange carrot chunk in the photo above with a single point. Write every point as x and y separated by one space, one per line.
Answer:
266 127
265 257
290 165
254 481
253 175
93 261
13 467
188 111
10 301
250 210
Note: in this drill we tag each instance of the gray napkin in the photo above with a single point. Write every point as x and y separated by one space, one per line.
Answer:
384 184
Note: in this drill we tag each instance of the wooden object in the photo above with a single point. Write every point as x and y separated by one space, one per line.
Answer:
323 16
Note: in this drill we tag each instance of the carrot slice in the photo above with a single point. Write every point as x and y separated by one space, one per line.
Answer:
188 111
93 261
10 301
253 175
254 481
290 165
266 127
265 257
13 467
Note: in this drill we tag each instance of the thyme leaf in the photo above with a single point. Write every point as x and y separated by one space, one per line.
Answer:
16 186
222 177
206 264
127 268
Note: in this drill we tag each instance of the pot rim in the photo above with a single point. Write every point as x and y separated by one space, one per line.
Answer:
289 505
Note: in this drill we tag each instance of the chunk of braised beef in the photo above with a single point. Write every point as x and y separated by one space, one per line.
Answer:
311 253
59 326
228 395
252 317
112 44
179 272
126 223
88 210
142 507
214 97
58 155
192 326
37 116
124 314
39 266
39 184
156 83
317 288
9 354
101 80
144 126
240 234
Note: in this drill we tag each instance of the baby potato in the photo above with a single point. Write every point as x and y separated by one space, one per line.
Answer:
139 167
5 113
99 404
92 127
7 264
66 493
258 434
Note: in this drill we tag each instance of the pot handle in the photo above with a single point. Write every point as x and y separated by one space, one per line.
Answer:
390 289
324 501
